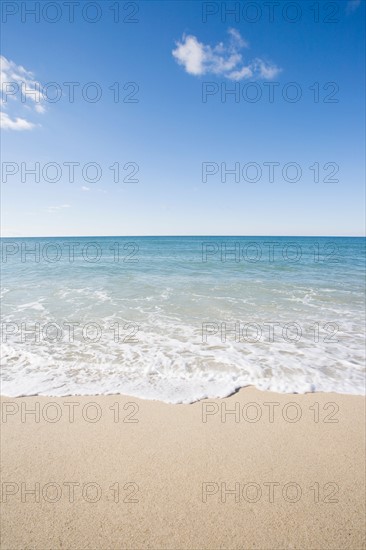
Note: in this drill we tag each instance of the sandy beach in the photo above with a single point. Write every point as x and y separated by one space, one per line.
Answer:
278 471
182 259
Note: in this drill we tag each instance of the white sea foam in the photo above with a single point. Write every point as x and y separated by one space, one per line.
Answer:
172 364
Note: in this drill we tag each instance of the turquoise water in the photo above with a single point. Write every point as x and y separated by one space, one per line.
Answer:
182 318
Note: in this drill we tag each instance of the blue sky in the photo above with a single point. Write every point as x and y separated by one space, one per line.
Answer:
170 54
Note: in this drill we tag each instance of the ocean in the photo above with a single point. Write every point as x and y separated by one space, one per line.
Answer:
179 319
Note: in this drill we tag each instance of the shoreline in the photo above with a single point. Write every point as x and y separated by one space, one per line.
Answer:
200 400
251 470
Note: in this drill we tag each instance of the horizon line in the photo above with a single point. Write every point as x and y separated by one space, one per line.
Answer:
172 236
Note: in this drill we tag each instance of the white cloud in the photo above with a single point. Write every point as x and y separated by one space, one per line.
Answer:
52 209
190 53
84 188
352 5
8 123
222 60
40 109
266 71
244 72
237 39
19 91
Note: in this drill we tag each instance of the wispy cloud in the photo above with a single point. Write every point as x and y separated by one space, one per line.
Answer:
352 5
52 209
222 60
19 92
84 188
17 123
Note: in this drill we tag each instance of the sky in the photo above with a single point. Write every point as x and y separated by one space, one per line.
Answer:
183 118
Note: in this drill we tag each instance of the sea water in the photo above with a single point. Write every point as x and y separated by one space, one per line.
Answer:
182 318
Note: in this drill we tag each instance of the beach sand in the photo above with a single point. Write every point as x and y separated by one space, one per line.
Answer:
183 477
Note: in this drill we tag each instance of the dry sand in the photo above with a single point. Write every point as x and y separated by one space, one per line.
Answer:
293 484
